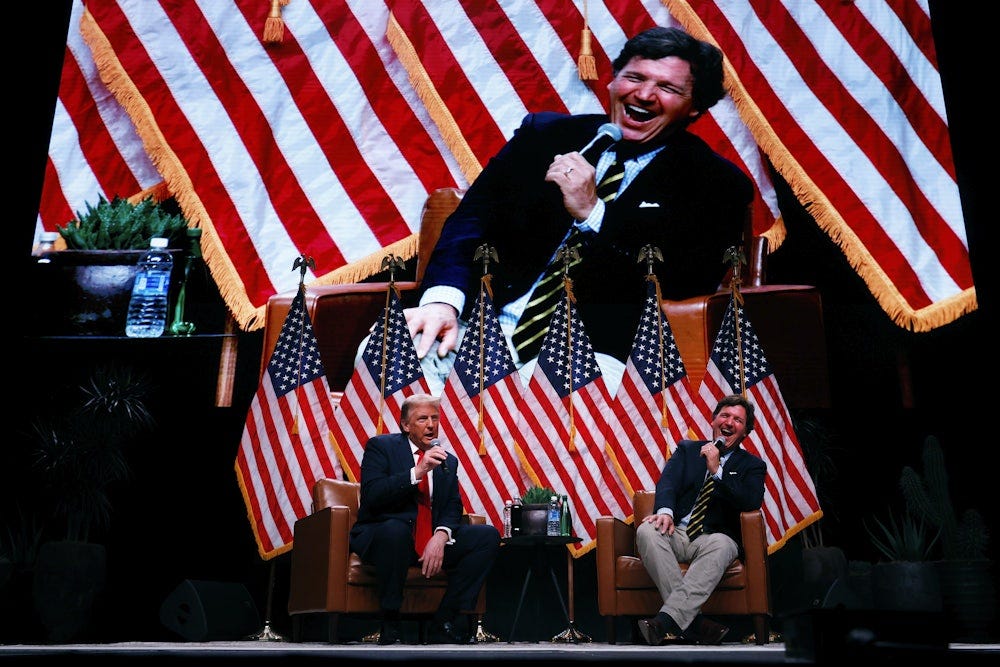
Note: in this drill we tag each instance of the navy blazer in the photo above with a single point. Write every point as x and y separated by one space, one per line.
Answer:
386 491
741 488
689 202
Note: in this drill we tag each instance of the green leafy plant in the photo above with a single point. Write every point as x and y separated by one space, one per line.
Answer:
122 225
537 495
76 455
964 537
908 539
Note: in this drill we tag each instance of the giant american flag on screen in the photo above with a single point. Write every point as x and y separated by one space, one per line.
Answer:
327 142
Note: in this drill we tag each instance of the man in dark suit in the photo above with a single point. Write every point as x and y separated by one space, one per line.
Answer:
663 540
676 194
392 471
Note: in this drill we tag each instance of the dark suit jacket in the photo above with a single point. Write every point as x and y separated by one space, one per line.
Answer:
741 488
689 202
386 492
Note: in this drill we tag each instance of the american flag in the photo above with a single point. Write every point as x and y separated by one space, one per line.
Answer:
562 424
478 409
327 142
285 446
737 365
655 405
846 100
387 373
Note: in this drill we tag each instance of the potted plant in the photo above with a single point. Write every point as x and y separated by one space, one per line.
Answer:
535 510
71 459
967 586
91 279
907 580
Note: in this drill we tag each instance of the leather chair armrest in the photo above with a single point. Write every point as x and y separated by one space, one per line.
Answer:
473 519
614 538
319 560
755 561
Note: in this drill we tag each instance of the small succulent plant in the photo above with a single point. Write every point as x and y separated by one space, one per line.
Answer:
122 225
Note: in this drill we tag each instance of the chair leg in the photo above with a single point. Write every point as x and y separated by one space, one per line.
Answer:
610 622
760 629
331 628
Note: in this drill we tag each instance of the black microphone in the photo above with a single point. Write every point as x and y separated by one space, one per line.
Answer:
720 443
444 464
607 134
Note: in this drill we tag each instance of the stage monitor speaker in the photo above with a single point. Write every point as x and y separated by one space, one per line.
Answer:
201 611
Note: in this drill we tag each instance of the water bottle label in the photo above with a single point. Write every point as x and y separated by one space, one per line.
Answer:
152 282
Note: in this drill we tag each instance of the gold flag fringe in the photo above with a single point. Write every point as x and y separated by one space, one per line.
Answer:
816 203
439 113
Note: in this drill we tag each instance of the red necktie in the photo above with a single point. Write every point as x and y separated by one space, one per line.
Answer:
422 531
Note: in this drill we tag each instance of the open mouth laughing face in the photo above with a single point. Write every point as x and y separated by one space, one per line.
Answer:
649 97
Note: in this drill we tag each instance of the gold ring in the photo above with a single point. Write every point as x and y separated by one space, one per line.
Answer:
567 171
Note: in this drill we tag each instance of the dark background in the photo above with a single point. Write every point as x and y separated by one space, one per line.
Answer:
181 515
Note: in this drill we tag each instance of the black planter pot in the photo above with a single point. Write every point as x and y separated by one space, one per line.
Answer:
69 585
906 586
970 599
88 291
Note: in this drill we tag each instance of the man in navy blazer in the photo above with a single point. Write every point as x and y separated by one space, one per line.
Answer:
383 534
676 194
662 538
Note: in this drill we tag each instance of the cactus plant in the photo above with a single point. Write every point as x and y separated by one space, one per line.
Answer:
963 537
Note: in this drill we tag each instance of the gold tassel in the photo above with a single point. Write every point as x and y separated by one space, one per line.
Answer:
274 26
586 63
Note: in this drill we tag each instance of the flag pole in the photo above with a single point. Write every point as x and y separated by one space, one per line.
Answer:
736 259
267 634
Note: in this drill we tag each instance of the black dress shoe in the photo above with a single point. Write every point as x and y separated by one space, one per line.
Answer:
447 633
390 633
706 631
658 633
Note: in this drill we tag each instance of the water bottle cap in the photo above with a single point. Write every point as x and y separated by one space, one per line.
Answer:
158 242
49 237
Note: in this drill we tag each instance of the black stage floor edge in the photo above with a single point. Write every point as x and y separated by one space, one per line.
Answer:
251 652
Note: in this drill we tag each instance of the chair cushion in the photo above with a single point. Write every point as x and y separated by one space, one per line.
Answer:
359 574
631 574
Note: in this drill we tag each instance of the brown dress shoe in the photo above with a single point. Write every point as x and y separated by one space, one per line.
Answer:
657 633
706 631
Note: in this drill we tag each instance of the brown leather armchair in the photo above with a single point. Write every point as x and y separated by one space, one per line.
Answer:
328 579
625 589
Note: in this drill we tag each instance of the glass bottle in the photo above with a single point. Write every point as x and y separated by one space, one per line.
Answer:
180 325
566 519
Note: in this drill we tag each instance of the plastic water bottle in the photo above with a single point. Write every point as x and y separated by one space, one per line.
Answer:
147 309
46 245
507 507
552 526
566 523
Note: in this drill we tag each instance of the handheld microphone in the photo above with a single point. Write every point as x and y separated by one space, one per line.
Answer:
444 464
607 134
720 443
